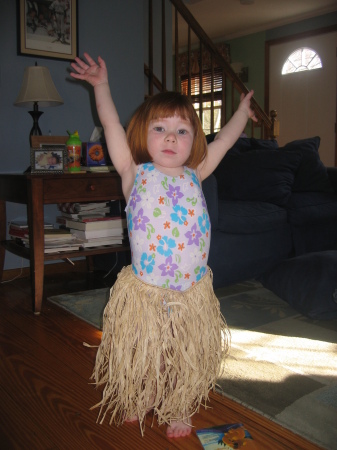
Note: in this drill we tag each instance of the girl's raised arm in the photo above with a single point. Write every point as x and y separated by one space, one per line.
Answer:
119 151
227 136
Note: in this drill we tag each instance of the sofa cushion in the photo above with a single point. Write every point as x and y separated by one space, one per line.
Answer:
257 175
246 144
308 283
312 174
242 217
311 207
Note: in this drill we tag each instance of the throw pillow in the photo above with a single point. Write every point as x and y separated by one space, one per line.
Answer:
257 175
312 174
308 283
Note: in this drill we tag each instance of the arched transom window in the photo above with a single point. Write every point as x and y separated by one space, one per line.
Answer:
302 59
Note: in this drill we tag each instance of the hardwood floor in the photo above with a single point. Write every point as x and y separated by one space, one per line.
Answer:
45 393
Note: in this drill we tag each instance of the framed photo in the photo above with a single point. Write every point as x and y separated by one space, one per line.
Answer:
48 28
48 159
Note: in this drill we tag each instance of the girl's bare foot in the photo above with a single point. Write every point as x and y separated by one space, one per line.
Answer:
179 429
132 419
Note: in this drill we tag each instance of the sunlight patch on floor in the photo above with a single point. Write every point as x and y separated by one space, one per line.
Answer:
297 354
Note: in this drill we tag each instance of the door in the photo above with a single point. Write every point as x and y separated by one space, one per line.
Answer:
305 101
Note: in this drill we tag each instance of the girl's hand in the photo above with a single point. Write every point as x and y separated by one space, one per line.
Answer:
245 105
91 72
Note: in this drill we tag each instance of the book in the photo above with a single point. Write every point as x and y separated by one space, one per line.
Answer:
98 242
75 208
23 224
18 232
98 223
226 436
58 247
87 217
69 215
57 234
90 206
18 224
101 169
90 234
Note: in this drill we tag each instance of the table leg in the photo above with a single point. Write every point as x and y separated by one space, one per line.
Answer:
35 210
3 221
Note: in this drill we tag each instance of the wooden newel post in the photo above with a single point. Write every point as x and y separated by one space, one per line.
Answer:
275 124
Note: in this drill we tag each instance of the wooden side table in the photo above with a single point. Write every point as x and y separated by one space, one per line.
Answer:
37 190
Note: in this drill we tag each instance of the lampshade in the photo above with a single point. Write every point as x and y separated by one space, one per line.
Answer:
37 86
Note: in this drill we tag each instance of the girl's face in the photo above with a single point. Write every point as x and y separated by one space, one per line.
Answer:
169 143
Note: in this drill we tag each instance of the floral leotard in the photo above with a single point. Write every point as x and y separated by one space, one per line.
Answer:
169 228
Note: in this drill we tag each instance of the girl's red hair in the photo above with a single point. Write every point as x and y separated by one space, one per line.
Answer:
161 106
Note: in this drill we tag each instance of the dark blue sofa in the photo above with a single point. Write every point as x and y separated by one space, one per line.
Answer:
268 204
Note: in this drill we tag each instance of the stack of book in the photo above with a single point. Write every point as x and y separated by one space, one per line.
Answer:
55 239
91 225
58 240
18 230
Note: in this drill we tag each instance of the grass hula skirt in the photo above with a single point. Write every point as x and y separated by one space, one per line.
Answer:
161 349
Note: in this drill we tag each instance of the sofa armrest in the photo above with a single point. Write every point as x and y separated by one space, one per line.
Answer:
332 173
210 190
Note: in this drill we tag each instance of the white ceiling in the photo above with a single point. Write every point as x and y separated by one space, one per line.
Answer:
228 19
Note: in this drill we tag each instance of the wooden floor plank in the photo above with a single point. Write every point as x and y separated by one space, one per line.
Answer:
45 393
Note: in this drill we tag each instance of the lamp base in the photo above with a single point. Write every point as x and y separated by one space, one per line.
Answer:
35 131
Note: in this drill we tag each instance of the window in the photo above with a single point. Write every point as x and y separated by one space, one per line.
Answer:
302 59
207 100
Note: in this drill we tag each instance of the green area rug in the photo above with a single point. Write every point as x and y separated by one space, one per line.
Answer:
282 364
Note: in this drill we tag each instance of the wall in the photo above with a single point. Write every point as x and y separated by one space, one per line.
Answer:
112 30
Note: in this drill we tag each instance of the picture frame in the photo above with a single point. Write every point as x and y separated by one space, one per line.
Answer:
47 141
49 159
48 28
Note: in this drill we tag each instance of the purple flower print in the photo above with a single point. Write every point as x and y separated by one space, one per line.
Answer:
140 221
193 235
175 288
134 198
168 267
174 193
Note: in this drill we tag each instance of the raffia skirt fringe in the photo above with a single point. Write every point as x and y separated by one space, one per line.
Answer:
161 349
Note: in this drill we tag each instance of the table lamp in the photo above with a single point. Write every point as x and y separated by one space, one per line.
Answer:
37 89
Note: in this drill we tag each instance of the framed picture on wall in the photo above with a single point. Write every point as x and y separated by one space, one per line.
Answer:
48 28
48 159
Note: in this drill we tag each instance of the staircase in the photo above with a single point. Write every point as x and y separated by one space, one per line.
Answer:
205 66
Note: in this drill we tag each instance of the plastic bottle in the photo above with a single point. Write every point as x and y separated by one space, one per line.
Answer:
74 150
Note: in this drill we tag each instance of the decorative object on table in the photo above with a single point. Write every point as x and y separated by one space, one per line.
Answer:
74 150
48 159
37 89
94 154
48 29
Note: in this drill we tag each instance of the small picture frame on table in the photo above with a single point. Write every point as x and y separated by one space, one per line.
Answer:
48 159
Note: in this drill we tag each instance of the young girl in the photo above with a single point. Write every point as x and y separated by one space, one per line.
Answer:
164 337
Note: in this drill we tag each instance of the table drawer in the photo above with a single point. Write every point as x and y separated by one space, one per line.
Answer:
76 188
